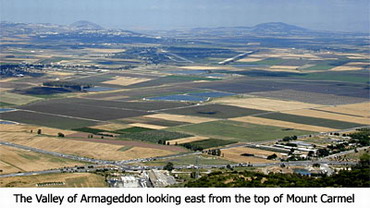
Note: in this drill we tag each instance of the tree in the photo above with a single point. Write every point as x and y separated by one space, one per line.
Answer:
168 166
322 152
271 157
39 131
60 134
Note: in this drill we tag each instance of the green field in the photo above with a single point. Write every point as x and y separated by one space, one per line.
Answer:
16 99
268 61
311 121
2 104
238 131
155 136
209 143
354 77
190 160
326 65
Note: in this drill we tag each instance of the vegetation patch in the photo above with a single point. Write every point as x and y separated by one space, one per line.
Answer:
156 136
205 144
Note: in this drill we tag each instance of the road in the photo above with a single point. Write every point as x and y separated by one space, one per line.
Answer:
123 164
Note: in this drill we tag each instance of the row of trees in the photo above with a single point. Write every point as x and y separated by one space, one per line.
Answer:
67 84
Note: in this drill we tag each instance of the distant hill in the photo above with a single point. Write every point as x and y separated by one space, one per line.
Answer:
278 27
271 28
83 24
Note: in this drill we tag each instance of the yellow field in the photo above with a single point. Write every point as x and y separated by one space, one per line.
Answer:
13 160
265 103
125 81
149 126
8 79
333 116
60 73
284 68
347 68
234 154
249 59
70 180
111 126
87 149
357 109
283 124
187 139
180 118
29 128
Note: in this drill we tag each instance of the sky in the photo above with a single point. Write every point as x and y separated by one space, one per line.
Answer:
328 15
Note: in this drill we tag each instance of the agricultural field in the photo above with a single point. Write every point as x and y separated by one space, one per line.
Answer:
266 104
326 115
49 120
155 136
33 129
187 140
238 131
180 118
148 119
208 143
105 151
215 111
330 123
16 99
311 97
190 160
357 109
82 180
283 124
13 160
99 113
235 155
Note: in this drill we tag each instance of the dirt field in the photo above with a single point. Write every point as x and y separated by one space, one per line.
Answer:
187 140
333 116
357 109
13 160
180 118
149 126
234 154
278 123
265 103
125 81
83 148
69 180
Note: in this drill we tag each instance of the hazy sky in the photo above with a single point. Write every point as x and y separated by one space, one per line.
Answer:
337 15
